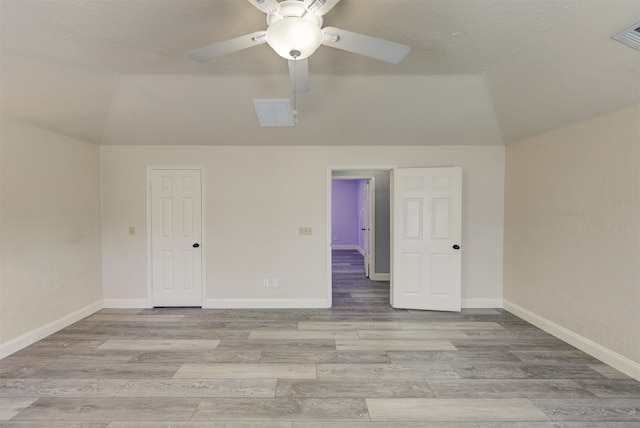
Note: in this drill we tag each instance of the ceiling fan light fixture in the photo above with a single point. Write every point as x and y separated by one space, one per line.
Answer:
294 35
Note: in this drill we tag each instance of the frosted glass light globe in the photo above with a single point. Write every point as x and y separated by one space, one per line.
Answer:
294 38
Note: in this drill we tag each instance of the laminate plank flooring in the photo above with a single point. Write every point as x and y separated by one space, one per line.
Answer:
359 364
247 371
428 409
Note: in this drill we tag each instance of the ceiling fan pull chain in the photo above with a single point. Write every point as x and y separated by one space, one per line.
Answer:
295 54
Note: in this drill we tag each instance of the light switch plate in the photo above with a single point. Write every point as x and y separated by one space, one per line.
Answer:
305 231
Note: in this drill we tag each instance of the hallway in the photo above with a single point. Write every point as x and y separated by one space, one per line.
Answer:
350 286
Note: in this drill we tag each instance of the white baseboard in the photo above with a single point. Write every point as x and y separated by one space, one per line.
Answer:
40 333
605 355
380 276
267 303
346 247
125 303
481 303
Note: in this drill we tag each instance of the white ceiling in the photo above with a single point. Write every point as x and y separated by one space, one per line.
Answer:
479 71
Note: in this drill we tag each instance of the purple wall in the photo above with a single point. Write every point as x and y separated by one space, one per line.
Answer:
344 212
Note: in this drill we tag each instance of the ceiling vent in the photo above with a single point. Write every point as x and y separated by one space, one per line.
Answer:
274 112
630 36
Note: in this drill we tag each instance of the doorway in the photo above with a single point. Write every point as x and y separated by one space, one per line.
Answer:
361 265
352 217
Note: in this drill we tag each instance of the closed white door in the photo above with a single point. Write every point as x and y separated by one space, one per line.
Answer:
426 235
176 229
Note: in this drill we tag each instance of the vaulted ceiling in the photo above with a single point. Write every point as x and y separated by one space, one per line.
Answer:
479 71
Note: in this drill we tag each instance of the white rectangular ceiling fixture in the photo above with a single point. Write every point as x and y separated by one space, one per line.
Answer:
274 112
630 36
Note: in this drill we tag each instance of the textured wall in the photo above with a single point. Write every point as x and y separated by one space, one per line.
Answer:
50 222
572 229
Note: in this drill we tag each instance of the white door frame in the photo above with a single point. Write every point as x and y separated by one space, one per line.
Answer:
370 213
203 245
354 174
369 217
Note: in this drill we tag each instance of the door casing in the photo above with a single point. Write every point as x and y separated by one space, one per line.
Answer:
370 219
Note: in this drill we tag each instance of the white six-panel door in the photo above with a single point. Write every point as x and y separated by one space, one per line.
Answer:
426 238
176 229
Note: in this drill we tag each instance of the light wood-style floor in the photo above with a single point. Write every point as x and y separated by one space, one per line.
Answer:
359 364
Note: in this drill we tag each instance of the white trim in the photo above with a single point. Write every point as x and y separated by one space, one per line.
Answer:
267 303
605 355
329 237
354 168
40 333
125 303
203 222
371 209
346 247
482 303
380 276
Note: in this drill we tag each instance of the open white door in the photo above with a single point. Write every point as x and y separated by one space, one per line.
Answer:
176 233
426 218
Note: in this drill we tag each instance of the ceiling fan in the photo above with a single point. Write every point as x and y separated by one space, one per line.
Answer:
294 31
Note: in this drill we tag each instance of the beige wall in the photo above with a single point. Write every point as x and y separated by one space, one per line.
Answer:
572 207
50 229
572 232
255 200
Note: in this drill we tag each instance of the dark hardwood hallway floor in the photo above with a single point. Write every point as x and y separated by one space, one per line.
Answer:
359 364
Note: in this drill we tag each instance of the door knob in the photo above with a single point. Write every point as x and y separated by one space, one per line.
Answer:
456 247
196 245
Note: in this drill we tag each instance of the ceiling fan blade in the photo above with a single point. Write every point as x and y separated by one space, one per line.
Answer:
299 74
320 7
383 50
228 46
266 6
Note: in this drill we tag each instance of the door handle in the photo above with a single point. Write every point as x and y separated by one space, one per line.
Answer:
456 247
196 245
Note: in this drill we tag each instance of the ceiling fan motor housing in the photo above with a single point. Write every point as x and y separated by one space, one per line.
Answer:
294 32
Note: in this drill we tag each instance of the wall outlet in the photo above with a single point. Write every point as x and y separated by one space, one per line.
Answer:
132 230
305 230
265 283
275 283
